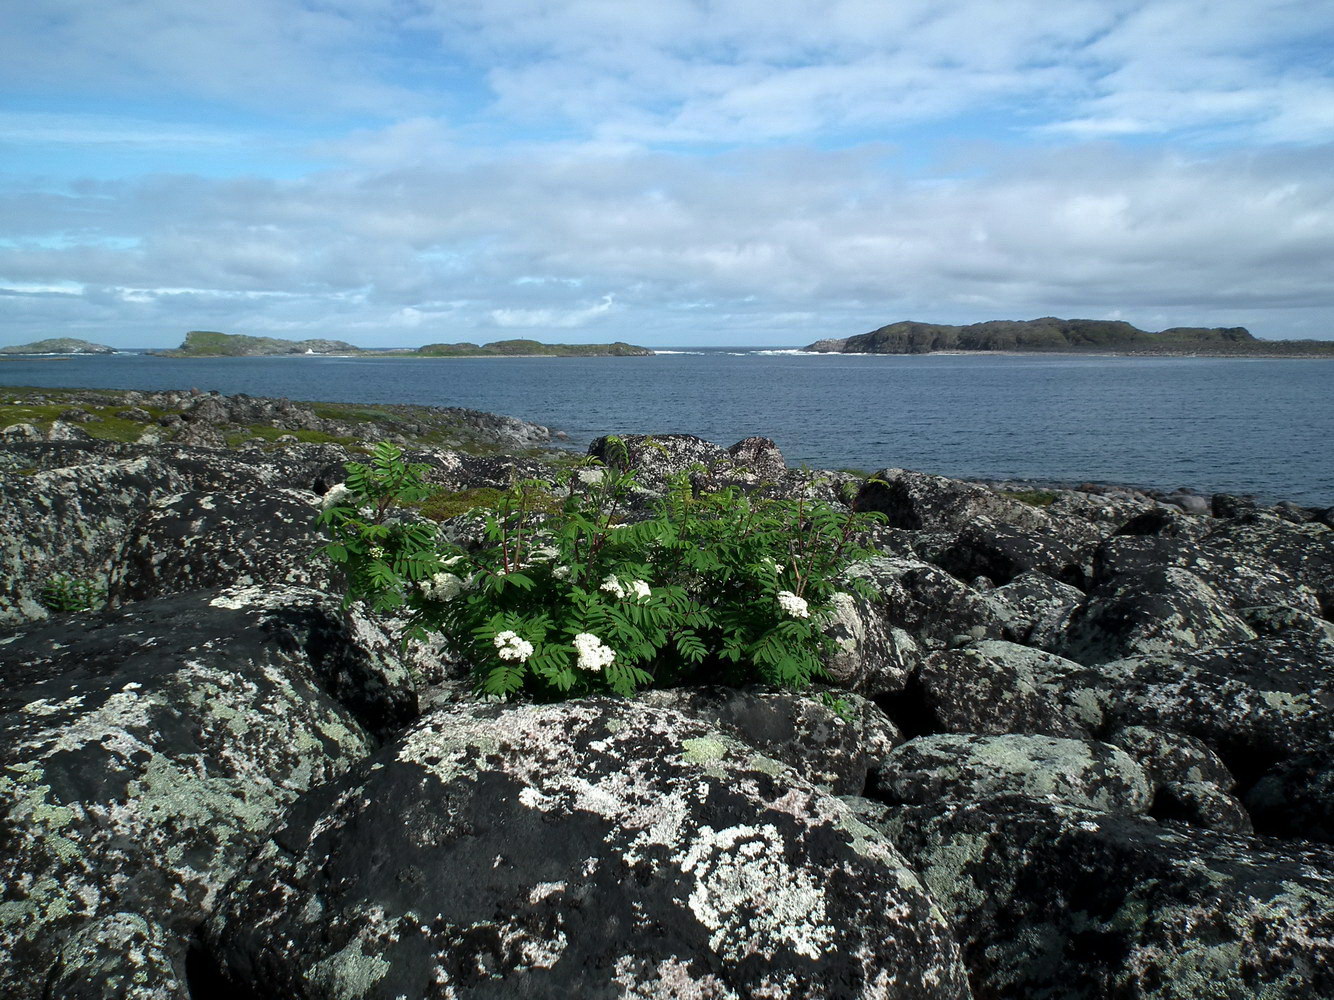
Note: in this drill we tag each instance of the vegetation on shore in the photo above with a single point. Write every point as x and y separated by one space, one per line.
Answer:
211 344
1050 334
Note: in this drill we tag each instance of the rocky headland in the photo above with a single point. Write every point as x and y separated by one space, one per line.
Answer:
1077 746
210 344
1050 335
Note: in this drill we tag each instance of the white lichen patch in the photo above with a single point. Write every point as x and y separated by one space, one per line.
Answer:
672 978
748 897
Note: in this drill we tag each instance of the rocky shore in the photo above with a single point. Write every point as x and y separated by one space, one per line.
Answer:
1079 746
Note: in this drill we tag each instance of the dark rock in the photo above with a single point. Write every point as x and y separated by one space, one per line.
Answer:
1304 551
1071 903
916 501
1033 608
871 657
192 541
119 955
1242 582
1190 783
146 752
999 687
1158 612
1001 553
760 456
926 602
1295 798
592 849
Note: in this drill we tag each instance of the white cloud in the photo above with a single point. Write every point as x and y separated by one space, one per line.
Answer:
734 242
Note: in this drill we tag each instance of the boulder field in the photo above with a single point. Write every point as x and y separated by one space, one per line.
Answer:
1076 745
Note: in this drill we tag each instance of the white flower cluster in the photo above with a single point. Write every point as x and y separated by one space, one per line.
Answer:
510 647
336 497
637 589
593 655
442 587
376 552
793 605
591 477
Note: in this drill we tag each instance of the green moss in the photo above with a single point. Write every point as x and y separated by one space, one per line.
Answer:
443 506
1034 498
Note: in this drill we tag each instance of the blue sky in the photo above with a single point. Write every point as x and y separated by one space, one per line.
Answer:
667 172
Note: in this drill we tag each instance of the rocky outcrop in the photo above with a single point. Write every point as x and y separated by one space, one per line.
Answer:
146 753
1074 743
59 345
589 849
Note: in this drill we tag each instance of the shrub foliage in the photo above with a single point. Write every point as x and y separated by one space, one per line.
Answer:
565 595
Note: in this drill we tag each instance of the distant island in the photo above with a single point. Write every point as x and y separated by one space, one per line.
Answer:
59 345
1059 336
210 344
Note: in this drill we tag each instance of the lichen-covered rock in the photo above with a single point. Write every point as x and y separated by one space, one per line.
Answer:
1033 608
122 956
1076 904
1295 798
1240 582
597 849
995 687
1001 553
146 752
870 656
1261 700
916 501
966 768
926 602
657 457
759 456
1159 612
1304 551
1190 782
828 748
192 541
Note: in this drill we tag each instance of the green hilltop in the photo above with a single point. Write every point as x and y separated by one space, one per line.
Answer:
1050 334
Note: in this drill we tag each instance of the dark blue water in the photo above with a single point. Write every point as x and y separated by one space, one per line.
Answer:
1250 426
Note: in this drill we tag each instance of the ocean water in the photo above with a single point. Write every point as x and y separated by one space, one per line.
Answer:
1248 426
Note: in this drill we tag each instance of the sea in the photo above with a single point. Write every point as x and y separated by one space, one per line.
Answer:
1253 426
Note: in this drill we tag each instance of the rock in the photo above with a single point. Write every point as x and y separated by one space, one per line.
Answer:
1159 612
1189 781
591 849
1002 553
916 501
1061 902
1304 551
830 750
120 955
758 455
925 601
1085 774
1295 798
192 541
1033 608
996 687
1191 503
1253 702
871 657
61 431
20 432
146 752
1240 582
657 457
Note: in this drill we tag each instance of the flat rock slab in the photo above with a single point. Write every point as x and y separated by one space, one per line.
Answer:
597 849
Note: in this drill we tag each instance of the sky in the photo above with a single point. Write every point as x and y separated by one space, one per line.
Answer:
665 172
